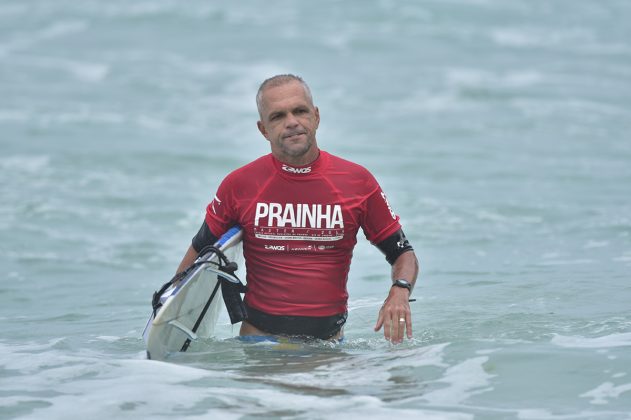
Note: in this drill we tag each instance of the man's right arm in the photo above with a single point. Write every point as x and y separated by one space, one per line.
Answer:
202 239
189 258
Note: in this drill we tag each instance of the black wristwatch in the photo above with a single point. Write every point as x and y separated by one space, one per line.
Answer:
402 283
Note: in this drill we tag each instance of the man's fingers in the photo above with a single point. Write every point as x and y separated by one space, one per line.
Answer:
379 323
386 328
396 322
400 328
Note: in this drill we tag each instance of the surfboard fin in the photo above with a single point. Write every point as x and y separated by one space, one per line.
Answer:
177 324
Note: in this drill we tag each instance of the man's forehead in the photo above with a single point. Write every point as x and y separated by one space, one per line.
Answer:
293 89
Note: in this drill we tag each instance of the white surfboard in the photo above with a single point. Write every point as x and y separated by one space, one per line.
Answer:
190 308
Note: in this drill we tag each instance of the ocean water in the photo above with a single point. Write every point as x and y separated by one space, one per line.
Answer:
499 130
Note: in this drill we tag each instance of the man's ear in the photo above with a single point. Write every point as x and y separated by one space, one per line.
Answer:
262 129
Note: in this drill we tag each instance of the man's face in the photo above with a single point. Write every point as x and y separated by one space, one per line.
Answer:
289 122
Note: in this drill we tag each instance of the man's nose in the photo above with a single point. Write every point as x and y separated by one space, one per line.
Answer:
291 120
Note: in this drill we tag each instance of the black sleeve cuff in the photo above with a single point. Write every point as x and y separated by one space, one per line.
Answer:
203 238
394 245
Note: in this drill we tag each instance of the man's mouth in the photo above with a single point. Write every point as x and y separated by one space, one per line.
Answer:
293 136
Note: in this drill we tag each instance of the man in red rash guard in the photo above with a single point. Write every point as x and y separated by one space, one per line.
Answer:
300 209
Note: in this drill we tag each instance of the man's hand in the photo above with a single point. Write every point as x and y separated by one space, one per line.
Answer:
395 315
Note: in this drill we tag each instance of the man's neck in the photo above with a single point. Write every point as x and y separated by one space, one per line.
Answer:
303 160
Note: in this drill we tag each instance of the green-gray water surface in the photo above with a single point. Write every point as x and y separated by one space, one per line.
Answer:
499 130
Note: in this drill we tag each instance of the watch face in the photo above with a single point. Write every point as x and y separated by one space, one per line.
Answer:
403 283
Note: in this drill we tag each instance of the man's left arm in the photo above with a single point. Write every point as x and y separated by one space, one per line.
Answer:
395 315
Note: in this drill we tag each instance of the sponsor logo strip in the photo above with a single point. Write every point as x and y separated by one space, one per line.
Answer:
276 234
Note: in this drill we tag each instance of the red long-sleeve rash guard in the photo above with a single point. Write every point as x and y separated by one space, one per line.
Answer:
300 226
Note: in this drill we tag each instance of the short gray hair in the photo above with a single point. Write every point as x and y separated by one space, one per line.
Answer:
279 80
